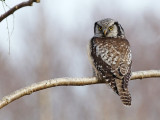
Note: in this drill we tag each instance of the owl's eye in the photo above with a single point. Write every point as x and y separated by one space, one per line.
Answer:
99 28
110 28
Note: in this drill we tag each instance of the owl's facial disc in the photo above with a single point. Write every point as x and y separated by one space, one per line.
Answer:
108 28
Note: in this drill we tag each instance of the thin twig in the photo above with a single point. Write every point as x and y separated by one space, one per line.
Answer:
68 82
12 10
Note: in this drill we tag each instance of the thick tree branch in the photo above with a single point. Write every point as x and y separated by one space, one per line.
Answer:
12 10
68 82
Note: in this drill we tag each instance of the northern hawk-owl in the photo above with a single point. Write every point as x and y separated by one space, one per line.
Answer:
110 55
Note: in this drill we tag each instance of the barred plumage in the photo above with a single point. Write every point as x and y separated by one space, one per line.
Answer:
111 57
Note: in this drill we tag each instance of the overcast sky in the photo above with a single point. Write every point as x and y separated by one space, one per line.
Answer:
66 11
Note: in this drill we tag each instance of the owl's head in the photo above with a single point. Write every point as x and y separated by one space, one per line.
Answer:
108 28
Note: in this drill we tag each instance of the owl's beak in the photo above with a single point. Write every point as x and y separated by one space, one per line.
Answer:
105 32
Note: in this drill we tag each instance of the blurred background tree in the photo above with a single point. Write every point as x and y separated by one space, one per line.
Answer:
50 40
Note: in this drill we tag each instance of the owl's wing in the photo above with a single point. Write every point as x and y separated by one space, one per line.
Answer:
99 59
102 69
112 57
125 61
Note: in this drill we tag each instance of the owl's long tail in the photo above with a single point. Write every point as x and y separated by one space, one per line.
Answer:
123 93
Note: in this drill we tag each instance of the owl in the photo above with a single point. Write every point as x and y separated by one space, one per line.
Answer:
110 55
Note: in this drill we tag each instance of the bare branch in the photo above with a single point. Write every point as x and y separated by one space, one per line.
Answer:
145 74
68 82
12 10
